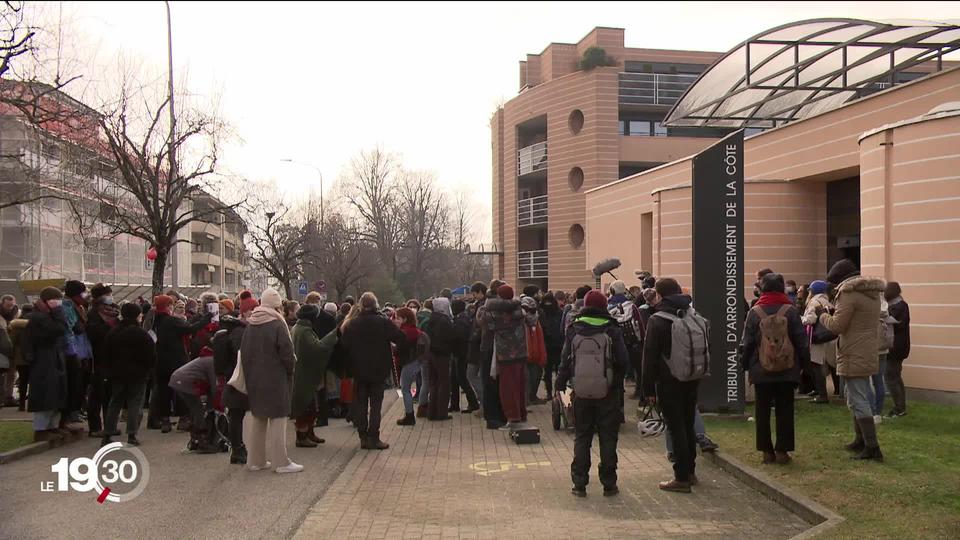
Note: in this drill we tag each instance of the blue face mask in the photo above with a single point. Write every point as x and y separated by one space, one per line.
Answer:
108 300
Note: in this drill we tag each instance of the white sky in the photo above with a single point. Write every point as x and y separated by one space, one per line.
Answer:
317 82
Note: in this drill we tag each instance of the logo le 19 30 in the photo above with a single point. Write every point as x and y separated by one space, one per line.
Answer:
116 473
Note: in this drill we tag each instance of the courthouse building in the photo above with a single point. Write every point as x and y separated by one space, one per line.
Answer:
852 150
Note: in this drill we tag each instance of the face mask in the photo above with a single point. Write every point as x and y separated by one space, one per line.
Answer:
791 290
54 304
107 300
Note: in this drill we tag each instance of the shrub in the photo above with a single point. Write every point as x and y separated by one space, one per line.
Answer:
595 57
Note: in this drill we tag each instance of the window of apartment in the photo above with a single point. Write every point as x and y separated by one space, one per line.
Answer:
659 130
50 150
639 128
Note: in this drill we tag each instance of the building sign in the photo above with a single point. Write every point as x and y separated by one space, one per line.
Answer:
718 267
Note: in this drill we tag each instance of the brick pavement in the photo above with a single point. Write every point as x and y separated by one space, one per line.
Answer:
456 479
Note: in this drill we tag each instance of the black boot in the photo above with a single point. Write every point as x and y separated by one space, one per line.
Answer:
165 426
303 440
857 444
374 442
313 437
238 456
871 448
201 442
408 420
132 440
364 441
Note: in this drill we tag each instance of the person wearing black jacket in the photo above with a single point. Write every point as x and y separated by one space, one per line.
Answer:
678 399
171 354
462 326
366 339
600 416
474 361
48 370
102 319
778 387
550 316
131 355
226 345
893 376
442 341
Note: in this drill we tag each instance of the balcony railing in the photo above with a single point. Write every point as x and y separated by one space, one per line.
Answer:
532 158
532 211
653 88
532 264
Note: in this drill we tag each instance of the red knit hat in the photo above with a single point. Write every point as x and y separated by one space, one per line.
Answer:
162 303
595 299
248 304
505 292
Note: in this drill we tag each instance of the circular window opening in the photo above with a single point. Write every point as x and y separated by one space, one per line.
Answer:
576 179
575 121
575 235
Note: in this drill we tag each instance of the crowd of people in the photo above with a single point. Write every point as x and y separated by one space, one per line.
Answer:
81 361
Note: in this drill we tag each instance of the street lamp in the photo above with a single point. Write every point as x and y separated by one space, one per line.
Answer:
319 172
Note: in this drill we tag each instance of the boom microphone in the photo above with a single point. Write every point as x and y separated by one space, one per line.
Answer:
606 266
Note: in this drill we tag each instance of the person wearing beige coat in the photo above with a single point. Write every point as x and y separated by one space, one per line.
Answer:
818 303
855 320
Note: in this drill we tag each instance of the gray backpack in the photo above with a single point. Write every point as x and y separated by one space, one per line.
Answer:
689 345
592 366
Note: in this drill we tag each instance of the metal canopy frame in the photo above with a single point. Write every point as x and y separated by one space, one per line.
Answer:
770 80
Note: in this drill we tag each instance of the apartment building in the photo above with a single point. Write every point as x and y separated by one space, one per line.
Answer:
570 130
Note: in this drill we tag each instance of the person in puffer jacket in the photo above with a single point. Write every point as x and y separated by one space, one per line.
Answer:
504 318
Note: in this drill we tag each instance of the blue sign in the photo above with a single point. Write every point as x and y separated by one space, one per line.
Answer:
304 286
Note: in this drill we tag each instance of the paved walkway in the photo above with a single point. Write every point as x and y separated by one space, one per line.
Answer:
456 479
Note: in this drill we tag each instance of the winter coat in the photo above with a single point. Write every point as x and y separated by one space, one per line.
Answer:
195 377
442 335
900 311
48 371
17 329
818 351
6 345
505 319
422 317
856 320
324 324
592 321
171 352
130 353
97 330
486 333
536 347
266 353
77 342
550 320
313 354
750 347
462 329
406 351
658 344
226 344
366 340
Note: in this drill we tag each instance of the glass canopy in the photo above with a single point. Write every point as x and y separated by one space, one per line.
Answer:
804 68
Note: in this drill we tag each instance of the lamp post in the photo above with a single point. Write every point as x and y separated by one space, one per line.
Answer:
320 173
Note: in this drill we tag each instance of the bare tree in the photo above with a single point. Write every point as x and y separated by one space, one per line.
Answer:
370 189
279 244
424 218
342 255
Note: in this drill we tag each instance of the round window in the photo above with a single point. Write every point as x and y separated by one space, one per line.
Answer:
575 178
575 235
575 121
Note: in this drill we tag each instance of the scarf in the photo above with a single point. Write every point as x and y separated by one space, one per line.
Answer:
773 299
264 315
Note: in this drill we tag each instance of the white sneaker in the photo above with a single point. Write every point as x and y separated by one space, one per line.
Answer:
260 467
877 419
291 468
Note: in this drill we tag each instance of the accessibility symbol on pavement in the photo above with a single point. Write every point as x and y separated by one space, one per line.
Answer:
489 468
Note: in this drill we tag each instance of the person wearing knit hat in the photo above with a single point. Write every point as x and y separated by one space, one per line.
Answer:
48 378
191 307
162 303
598 413
439 328
330 308
226 307
819 302
505 292
618 287
73 288
505 316
103 317
100 290
248 304
271 299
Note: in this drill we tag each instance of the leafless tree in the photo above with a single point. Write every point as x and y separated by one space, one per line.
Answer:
342 255
424 219
278 241
370 189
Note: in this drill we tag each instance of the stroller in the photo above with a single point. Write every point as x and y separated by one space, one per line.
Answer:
216 428
562 410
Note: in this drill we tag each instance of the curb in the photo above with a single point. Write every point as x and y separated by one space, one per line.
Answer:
38 447
822 518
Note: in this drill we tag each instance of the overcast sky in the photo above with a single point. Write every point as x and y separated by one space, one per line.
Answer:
317 82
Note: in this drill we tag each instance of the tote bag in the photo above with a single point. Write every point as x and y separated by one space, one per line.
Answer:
237 381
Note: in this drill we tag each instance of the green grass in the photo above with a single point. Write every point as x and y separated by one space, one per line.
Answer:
15 434
915 493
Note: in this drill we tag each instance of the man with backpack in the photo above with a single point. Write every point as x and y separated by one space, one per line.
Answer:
774 351
625 311
595 356
676 355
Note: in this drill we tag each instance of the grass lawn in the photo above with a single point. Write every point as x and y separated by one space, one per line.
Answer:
915 493
15 434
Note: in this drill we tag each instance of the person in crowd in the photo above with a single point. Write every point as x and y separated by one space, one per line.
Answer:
532 291
343 313
536 349
79 354
330 309
312 355
624 309
819 302
462 326
598 415
408 361
171 331
446 293
552 338
366 339
561 298
267 362
855 321
504 316
226 345
7 369
104 316
349 300
442 339
209 305
886 327
792 291
571 311
17 329
803 297
425 313
774 350
493 412
700 432
756 285
678 399
196 383
324 323
900 311
47 334
474 371
290 309
227 308
9 311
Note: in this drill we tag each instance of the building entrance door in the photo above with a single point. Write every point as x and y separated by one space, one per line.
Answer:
843 221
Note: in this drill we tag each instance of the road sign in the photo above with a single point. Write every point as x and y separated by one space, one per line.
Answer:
304 286
321 286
